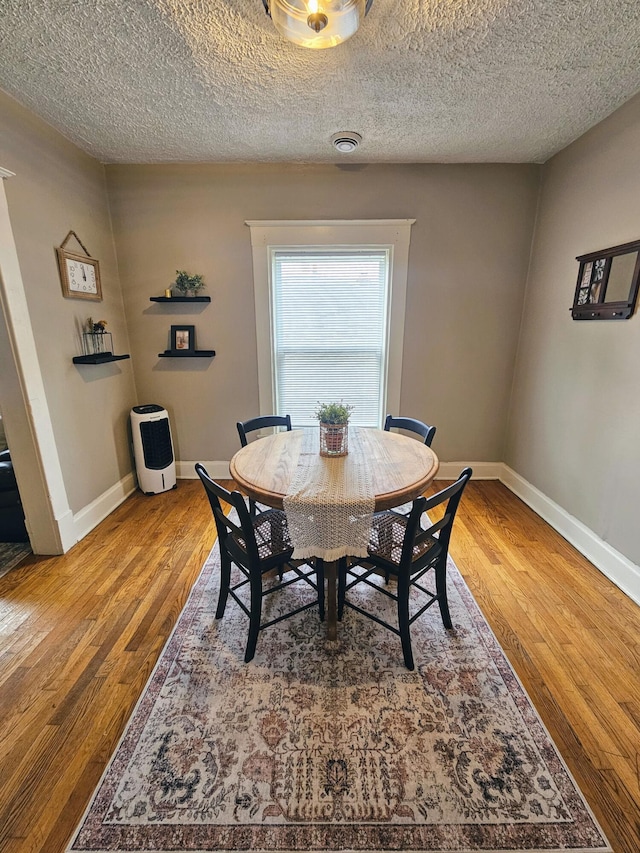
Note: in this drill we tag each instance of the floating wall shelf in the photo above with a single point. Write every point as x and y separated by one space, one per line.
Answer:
98 358
179 299
176 353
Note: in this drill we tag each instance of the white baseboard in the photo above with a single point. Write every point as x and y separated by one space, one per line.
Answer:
76 527
91 515
620 570
216 470
614 565
481 470
67 532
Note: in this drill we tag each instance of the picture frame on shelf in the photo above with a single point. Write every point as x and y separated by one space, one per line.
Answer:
183 338
79 274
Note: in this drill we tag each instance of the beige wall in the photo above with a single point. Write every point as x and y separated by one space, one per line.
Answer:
467 266
574 410
58 188
575 413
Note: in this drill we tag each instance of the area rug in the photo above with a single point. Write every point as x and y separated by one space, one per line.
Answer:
324 746
12 553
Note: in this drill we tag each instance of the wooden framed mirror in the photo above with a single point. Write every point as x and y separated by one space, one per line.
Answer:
607 286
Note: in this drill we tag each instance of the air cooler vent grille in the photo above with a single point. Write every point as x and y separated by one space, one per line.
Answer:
156 444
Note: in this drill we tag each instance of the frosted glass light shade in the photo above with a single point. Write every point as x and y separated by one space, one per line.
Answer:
291 19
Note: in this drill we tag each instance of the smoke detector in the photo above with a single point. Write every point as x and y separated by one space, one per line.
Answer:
346 141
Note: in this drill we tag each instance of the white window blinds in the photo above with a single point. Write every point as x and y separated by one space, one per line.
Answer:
330 330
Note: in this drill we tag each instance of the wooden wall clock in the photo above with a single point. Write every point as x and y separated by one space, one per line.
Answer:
79 274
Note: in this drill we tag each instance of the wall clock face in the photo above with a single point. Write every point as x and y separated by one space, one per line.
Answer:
80 275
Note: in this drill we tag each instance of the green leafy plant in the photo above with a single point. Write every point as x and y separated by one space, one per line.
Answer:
333 413
186 283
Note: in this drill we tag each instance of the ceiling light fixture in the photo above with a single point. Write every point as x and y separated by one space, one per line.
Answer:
317 23
346 141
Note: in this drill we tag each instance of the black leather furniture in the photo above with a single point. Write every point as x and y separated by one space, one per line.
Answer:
12 527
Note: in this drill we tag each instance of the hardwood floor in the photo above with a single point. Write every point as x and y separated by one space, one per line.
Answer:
79 636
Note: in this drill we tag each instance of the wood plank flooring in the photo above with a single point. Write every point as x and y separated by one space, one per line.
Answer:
79 636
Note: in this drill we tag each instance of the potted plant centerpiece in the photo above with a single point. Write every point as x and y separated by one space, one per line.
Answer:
188 285
334 428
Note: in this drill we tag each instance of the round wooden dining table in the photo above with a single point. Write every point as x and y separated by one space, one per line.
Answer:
400 468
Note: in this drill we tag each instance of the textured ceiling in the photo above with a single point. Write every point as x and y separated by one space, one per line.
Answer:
147 81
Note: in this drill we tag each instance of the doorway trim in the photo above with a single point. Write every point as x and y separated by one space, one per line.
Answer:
26 414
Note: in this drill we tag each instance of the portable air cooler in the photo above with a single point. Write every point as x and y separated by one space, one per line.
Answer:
153 449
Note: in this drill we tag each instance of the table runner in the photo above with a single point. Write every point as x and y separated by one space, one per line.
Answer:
330 501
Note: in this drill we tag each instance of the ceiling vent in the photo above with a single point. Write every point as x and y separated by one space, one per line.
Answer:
346 141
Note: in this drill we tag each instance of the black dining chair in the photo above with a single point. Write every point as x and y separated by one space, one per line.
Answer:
426 432
258 546
399 547
253 424
261 422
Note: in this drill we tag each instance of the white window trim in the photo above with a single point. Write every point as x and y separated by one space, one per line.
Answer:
267 235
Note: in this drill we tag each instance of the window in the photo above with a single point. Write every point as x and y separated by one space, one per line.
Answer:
329 331
330 300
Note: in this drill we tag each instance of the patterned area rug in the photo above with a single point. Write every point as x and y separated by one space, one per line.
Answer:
319 745
12 553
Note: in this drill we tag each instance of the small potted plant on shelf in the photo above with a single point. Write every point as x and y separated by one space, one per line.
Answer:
188 285
334 428
96 338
